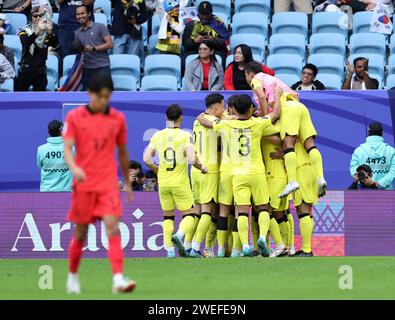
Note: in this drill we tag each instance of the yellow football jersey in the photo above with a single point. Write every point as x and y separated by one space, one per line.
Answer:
244 148
170 144
206 145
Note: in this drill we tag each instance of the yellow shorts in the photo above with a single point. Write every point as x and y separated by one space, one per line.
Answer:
180 198
308 186
276 185
225 189
206 186
247 186
295 120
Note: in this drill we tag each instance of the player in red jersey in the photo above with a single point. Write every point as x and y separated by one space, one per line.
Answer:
96 130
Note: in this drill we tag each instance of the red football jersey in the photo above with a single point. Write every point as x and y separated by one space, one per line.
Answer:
96 136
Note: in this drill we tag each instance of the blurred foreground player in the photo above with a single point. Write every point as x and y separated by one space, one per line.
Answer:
96 130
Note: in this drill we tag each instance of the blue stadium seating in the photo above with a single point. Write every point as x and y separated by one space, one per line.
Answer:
68 62
125 65
331 81
52 83
7 86
253 6
101 18
106 6
390 81
376 64
124 82
290 22
361 43
163 64
285 64
361 21
257 58
159 83
17 21
255 41
13 42
190 57
391 64
55 17
392 44
155 23
288 79
327 43
250 22
220 6
332 22
152 41
328 63
53 67
288 43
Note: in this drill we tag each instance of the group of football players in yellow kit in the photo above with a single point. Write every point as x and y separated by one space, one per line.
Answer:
247 162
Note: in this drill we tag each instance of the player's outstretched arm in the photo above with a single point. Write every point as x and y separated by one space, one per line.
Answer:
275 114
78 173
194 159
147 158
123 157
262 100
275 138
204 121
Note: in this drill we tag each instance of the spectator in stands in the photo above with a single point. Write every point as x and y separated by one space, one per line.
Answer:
17 6
6 69
126 27
204 72
299 5
378 155
136 175
68 23
363 179
36 37
355 5
234 78
171 29
151 181
95 40
361 80
153 6
208 28
308 82
55 174
5 26
7 52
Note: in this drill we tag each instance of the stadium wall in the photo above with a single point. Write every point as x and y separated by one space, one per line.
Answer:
33 225
341 119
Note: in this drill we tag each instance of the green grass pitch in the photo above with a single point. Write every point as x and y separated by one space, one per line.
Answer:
243 278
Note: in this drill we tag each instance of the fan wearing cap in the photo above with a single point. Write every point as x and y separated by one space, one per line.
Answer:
378 155
55 174
208 28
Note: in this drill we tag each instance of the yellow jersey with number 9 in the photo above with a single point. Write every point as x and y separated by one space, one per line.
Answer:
170 144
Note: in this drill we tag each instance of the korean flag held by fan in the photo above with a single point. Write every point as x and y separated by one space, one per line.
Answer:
381 19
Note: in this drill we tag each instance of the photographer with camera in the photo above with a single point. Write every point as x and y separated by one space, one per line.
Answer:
36 37
136 176
363 179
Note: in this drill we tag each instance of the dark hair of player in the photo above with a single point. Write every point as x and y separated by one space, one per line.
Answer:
150 175
358 59
311 67
173 112
253 67
243 104
213 98
232 100
135 165
97 84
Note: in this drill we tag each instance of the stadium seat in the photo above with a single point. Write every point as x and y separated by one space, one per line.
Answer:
190 57
68 62
368 42
101 18
328 63
253 6
7 86
55 17
390 81
124 82
331 81
219 6
328 43
285 64
376 64
223 17
330 22
391 64
250 22
159 83
62 80
288 79
257 58
125 65
52 83
17 21
53 67
255 41
13 42
361 21
288 43
106 7
163 64
392 44
155 23
290 22
152 42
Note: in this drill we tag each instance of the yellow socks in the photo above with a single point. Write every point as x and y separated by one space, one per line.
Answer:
254 230
211 235
186 225
290 163
235 238
231 220
189 235
168 230
264 223
291 234
316 162
275 232
242 226
222 233
283 224
201 230
306 231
